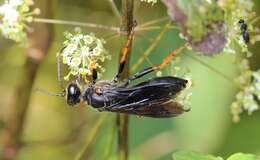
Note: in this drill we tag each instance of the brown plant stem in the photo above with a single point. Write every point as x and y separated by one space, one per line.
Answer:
109 147
39 42
122 119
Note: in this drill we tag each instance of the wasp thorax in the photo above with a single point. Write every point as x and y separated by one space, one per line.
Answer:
73 94
86 96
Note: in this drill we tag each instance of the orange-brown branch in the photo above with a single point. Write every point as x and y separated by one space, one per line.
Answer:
170 57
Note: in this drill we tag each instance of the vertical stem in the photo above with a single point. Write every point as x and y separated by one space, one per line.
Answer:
122 122
122 119
39 42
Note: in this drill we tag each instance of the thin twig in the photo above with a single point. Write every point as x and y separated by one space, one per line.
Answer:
154 21
75 23
149 50
144 27
153 28
91 137
231 80
114 9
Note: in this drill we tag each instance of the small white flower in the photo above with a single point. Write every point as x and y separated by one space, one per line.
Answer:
88 39
85 51
76 39
11 16
97 51
16 2
66 60
149 1
75 62
70 49
256 75
84 71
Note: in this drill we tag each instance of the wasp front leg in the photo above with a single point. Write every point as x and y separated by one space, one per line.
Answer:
93 70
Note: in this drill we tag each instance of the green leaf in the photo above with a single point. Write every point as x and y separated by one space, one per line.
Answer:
243 156
191 155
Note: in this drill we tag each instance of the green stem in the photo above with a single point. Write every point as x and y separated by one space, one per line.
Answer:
75 23
114 9
91 138
109 146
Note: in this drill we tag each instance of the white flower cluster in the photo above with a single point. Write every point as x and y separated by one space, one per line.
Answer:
14 14
83 53
184 98
150 1
249 97
256 83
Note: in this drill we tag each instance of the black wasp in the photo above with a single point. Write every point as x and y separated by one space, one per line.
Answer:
243 28
151 98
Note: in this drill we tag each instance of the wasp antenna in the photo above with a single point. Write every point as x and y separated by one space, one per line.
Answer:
62 94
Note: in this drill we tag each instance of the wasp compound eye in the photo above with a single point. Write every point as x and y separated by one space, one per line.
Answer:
73 94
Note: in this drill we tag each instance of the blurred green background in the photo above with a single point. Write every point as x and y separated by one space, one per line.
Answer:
54 130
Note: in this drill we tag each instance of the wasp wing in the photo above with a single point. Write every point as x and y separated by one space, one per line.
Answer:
162 108
151 98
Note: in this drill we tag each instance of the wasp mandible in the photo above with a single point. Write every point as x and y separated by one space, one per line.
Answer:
151 98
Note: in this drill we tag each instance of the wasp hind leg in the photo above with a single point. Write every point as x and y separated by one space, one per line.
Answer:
157 67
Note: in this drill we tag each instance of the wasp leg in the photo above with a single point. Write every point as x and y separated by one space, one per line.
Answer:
124 54
78 80
141 74
59 68
170 57
157 67
94 76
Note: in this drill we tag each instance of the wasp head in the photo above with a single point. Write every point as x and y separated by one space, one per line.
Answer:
73 94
